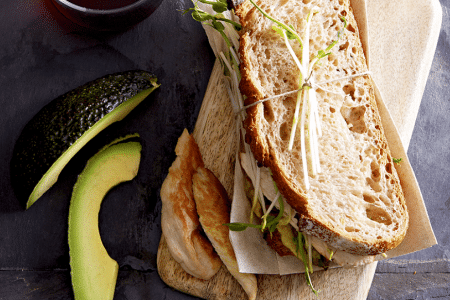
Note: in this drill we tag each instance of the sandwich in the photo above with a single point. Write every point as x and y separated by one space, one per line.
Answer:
334 168
319 174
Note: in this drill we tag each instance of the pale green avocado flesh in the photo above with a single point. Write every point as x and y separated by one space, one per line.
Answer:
67 123
93 271
51 176
287 238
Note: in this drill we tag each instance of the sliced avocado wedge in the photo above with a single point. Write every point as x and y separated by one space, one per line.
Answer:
93 271
287 238
61 128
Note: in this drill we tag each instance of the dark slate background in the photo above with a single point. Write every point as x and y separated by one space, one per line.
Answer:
42 55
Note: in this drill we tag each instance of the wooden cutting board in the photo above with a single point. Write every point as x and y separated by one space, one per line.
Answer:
216 138
336 283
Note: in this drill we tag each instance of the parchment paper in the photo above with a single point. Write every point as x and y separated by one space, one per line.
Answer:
253 254
405 33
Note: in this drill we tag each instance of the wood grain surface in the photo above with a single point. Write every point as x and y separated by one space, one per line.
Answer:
336 283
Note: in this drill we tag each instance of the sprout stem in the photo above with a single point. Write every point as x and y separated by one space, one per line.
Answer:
295 120
302 140
256 192
281 24
294 56
272 204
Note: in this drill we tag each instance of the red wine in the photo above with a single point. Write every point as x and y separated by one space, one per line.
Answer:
102 4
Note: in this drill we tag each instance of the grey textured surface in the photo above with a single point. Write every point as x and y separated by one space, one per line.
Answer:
41 58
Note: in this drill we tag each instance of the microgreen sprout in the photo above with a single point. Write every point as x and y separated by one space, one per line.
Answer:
397 160
227 28
255 194
306 114
274 220
269 222
301 253
219 7
309 244
290 31
322 53
330 253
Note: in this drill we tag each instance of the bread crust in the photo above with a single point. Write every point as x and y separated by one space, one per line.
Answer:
358 117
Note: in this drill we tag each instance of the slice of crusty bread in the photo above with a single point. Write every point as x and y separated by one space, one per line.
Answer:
356 203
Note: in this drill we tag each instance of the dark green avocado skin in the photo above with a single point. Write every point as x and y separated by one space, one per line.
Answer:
61 122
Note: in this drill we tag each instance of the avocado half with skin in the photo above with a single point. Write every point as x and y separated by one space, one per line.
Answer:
61 128
93 271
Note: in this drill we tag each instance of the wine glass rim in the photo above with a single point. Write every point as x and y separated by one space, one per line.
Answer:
99 11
